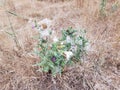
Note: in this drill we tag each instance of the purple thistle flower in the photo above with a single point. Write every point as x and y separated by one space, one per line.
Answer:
53 59
33 27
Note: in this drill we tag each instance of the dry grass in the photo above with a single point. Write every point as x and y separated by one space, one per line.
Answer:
100 69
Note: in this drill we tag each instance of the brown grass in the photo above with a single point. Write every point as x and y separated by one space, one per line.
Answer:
100 68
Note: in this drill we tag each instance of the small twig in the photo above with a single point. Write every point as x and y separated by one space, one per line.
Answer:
89 84
67 86
15 14
13 31
14 34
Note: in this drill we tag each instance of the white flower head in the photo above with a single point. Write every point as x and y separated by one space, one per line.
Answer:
68 39
55 39
62 43
81 42
44 33
45 23
73 48
68 54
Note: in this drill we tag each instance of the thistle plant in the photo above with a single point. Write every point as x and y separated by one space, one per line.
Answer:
56 55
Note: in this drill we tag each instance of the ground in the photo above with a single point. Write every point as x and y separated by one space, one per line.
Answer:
100 67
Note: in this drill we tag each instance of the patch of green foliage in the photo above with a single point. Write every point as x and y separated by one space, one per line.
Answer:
55 56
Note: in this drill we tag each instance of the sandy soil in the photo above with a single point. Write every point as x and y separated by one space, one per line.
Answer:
100 69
